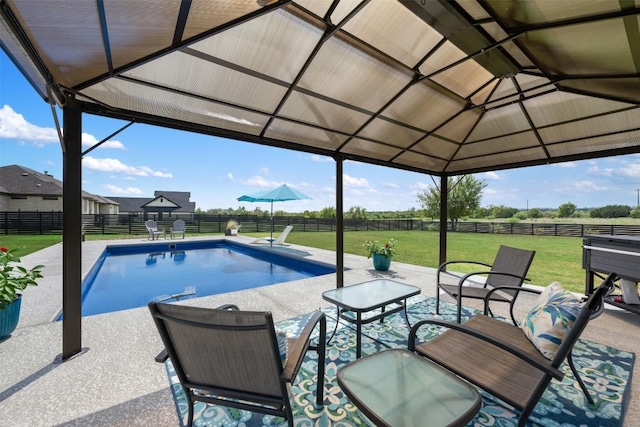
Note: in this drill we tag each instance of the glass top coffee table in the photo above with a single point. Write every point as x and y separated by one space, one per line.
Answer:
352 301
399 388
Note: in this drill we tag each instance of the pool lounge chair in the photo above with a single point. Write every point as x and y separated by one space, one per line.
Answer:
499 357
154 231
232 358
279 241
178 228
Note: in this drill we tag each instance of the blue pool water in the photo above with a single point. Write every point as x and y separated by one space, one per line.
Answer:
131 276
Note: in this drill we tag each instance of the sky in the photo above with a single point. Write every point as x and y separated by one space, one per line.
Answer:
143 159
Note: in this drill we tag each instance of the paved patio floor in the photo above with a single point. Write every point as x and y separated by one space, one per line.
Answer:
116 381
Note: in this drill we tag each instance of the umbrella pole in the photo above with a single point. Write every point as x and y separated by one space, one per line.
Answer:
271 236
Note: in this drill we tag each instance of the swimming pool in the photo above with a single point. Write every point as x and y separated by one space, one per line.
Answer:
130 276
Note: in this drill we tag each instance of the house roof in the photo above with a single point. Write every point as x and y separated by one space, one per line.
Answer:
20 180
135 204
441 87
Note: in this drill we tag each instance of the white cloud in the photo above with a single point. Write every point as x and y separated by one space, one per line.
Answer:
321 159
493 176
391 185
264 170
14 126
113 189
584 186
230 177
587 186
350 181
565 165
422 186
596 170
89 140
629 171
116 166
259 181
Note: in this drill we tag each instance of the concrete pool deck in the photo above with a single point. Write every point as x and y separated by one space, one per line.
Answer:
117 383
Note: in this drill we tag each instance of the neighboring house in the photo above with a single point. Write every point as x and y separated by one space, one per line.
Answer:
24 189
171 203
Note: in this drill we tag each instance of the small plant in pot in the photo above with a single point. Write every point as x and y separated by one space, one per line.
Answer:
232 228
381 252
14 278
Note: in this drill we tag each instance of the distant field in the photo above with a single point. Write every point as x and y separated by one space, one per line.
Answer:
557 258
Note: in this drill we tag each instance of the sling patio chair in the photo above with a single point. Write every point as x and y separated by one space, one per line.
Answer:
178 228
231 357
154 231
515 363
509 269
279 241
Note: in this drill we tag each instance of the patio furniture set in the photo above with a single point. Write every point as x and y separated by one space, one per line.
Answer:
429 380
155 232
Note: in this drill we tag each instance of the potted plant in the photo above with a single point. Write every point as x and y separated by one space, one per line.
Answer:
14 278
232 228
381 252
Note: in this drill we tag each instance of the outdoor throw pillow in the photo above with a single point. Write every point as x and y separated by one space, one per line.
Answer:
282 344
546 325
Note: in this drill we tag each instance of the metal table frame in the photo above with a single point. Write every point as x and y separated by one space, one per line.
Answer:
368 296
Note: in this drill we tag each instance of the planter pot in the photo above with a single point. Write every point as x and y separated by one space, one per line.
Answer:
234 231
9 318
381 262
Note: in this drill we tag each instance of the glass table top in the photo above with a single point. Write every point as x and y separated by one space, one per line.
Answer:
399 388
367 295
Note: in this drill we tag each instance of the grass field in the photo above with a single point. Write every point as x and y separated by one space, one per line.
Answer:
557 258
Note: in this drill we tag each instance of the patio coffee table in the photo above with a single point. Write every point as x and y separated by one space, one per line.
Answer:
399 388
369 296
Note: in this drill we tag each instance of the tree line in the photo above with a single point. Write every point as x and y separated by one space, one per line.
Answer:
463 202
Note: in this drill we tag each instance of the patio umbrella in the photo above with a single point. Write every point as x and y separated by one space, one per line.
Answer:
280 194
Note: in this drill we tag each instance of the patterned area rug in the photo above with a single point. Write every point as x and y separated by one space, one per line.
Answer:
605 370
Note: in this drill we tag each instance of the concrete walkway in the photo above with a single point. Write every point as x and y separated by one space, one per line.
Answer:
116 381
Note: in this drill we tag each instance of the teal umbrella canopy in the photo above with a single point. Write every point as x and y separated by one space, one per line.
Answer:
283 193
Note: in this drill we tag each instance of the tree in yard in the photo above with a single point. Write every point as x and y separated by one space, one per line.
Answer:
464 197
565 210
328 212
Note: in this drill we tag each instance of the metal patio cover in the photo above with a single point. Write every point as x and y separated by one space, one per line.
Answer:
443 88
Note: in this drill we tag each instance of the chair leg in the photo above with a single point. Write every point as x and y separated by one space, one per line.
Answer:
322 342
580 382
190 406
437 299
459 309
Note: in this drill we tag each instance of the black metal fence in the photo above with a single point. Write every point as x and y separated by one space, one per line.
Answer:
133 224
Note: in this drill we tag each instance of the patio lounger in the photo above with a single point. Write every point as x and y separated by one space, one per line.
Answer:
514 363
279 241
154 231
178 228
232 358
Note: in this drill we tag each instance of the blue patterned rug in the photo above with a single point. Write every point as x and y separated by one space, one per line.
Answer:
605 370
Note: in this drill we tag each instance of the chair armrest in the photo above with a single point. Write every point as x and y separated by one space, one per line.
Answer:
487 297
555 373
301 344
478 273
443 267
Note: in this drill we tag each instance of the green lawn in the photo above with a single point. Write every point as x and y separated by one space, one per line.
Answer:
557 258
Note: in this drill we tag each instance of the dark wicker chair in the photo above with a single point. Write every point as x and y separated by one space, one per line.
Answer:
497 356
509 269
230 357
